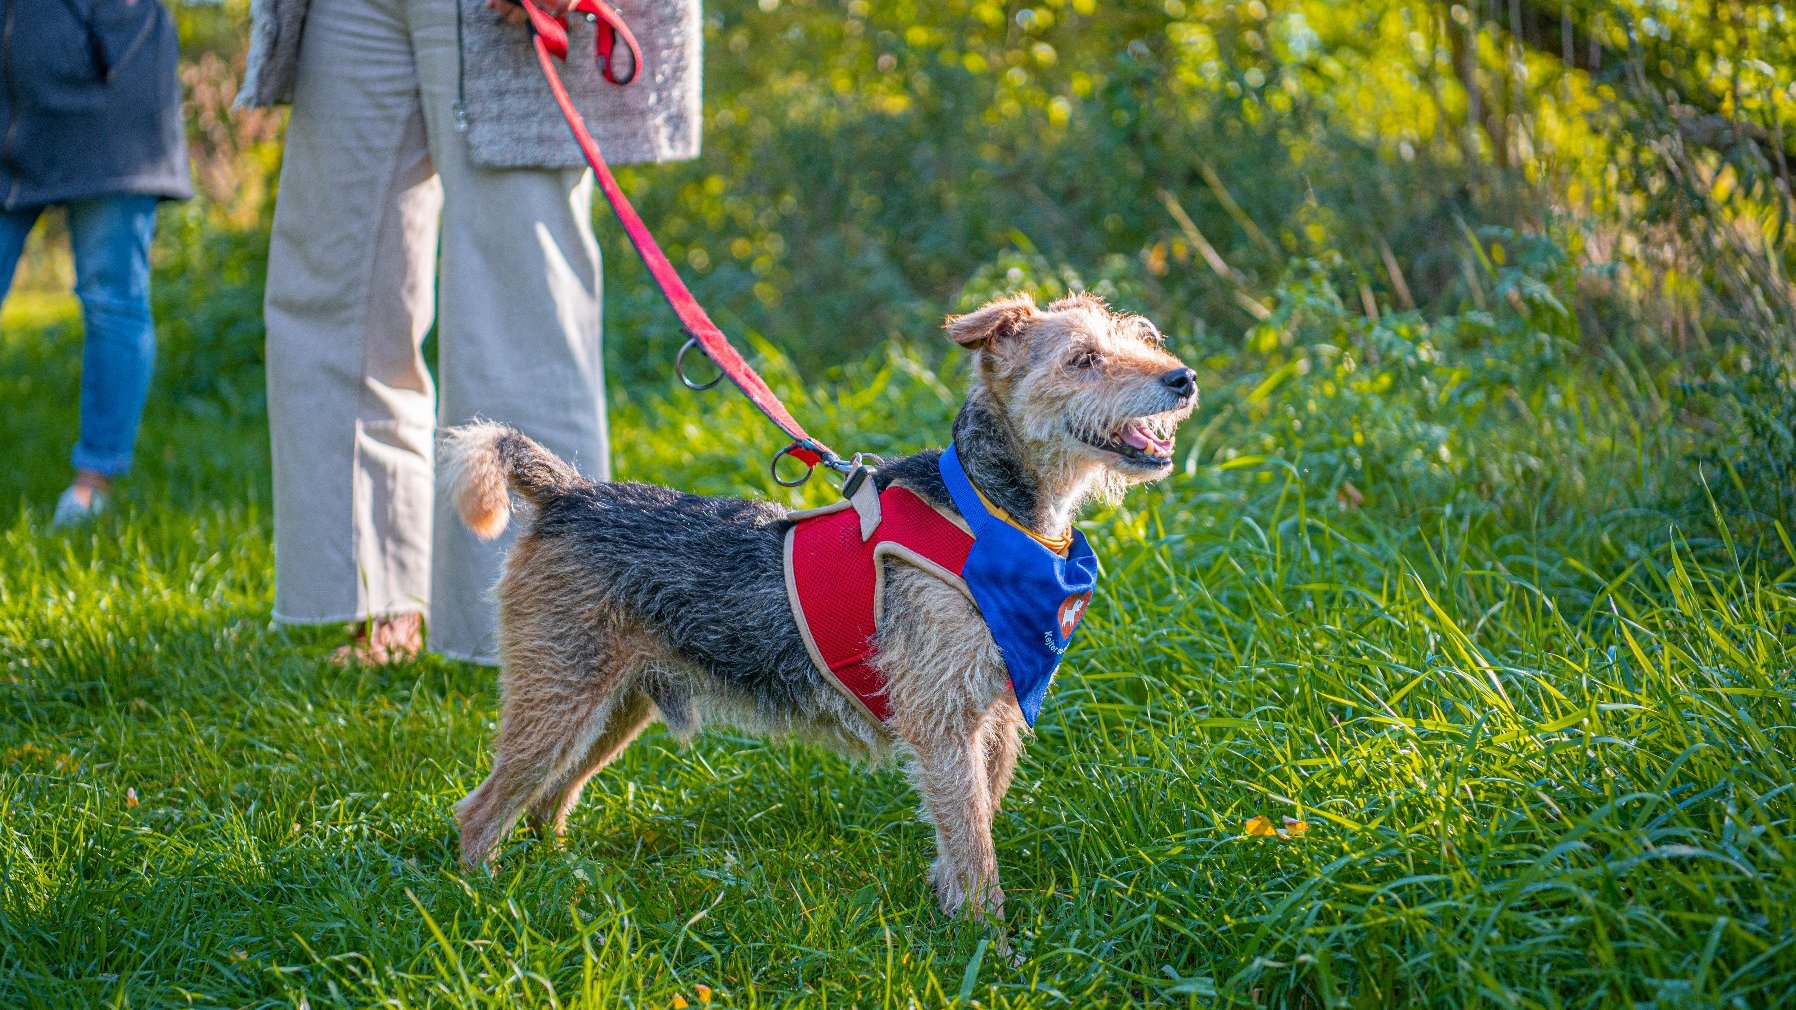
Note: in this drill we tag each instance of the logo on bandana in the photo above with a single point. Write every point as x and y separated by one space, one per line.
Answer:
1070 612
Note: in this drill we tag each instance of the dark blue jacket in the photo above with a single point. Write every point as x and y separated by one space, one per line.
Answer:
89 102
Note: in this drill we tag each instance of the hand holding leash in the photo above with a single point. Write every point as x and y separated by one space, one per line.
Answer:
548 23
512 11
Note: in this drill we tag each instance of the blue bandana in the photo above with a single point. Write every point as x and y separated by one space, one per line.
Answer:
1031 598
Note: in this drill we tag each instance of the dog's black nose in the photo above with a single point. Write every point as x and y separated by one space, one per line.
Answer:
1182 381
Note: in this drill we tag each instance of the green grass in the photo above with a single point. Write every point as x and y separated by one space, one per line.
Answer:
1537 714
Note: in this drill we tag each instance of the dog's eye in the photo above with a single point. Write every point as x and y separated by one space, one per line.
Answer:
1084 360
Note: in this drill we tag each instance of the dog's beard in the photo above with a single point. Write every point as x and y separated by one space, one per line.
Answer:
1086 450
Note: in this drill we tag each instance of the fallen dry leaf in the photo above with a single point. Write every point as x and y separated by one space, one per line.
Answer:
1262 827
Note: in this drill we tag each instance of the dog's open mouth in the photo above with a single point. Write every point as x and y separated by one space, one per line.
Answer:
1141 441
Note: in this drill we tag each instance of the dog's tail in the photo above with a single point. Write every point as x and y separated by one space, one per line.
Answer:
481 459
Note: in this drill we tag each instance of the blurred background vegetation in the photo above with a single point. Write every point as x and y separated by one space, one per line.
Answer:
1459 199
1408 218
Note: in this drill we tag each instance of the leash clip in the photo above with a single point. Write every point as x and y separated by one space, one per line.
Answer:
863 493
860 469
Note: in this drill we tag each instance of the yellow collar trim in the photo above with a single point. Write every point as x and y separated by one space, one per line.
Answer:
1059 545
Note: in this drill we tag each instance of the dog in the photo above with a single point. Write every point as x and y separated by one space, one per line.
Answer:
622 604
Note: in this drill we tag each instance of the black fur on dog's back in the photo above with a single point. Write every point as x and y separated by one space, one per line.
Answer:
705 574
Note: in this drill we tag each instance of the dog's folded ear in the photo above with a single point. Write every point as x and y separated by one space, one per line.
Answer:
993 322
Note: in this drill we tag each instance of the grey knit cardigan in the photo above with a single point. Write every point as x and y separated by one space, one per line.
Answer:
512 120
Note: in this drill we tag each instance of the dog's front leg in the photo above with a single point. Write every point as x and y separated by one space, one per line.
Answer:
943 672
954 779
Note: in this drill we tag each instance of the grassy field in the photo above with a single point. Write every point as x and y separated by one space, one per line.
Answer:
1534 706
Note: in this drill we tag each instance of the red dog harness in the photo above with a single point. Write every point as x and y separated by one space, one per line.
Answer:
835 581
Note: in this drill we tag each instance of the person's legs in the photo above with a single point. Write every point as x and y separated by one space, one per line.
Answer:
83 499
111 239
351 268
519 330
15 227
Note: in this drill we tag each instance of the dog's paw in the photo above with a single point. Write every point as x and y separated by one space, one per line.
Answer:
957 894
950 889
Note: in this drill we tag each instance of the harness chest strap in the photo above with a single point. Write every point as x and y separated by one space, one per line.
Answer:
835 580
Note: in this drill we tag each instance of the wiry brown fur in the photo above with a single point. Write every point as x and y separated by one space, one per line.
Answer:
622 604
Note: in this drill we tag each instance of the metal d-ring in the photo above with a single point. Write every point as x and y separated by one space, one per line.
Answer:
773 468
680 368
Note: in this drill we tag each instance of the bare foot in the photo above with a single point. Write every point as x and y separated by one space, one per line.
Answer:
383 640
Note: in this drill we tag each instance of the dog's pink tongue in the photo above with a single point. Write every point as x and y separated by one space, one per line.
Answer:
1137 436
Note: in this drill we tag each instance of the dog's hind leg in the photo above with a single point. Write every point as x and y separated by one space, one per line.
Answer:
537 743
548 813
572 700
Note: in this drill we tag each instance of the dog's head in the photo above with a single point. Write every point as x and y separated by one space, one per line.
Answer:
1092 395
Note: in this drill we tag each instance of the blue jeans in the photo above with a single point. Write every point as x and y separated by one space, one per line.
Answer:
111 239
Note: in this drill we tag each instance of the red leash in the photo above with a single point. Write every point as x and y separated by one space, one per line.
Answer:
551 40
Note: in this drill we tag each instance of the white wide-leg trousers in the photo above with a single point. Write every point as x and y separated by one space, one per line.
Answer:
382 224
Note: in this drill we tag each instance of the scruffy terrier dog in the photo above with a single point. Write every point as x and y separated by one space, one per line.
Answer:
625 603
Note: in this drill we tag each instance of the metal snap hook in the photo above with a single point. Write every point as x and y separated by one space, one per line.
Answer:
859 469
680 369
773 468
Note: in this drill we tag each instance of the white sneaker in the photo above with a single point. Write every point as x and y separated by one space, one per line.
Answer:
71 511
